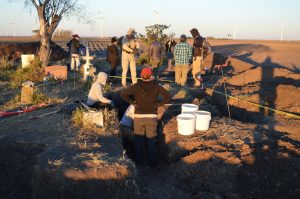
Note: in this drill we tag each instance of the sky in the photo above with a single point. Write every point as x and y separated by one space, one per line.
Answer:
249 19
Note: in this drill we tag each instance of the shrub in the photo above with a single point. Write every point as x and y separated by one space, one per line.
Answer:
143 59
34 73
6 68
38 97
77 117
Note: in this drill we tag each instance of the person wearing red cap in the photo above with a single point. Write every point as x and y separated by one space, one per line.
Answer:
74 46
143 96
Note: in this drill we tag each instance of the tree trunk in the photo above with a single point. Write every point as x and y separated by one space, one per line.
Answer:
44 52
47 28
45 37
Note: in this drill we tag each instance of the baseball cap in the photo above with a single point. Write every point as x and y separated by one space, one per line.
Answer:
75 36
131 31
146 73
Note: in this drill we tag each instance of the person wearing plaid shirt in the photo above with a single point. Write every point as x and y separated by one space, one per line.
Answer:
183 53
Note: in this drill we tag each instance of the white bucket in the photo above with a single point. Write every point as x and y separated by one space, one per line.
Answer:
202 120
189 108
26 60
186 124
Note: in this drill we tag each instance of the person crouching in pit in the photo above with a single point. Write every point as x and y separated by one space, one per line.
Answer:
143 96
95 98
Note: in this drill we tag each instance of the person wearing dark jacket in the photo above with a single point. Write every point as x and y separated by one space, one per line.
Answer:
155 55
74 46
170 45
113 56
143 96
198 55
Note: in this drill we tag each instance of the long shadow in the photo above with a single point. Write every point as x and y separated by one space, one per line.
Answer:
273 167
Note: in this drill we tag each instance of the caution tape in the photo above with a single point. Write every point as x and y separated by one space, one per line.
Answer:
171 81
258 105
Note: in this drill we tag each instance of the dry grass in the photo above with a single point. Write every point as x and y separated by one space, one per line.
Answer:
77 118
34 73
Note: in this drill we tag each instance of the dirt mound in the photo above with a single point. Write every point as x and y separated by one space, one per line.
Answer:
238 66
94 170
266 74
13 51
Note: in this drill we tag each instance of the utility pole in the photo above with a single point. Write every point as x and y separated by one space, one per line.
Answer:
282 33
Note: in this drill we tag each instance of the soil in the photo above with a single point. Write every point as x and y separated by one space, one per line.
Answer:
255 154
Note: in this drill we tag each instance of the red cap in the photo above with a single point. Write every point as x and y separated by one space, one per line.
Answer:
146 73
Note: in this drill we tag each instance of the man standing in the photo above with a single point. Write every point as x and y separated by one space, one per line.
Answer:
130 46
155 55
183 57
113 56
143 96
74 46
198 51
169 52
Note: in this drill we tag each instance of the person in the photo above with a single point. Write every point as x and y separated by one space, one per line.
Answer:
130 46
155 55
113 56
95 98
74 46
183 57
143 96
169 52
126 131
198 53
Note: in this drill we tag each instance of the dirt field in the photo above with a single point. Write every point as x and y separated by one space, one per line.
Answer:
254 155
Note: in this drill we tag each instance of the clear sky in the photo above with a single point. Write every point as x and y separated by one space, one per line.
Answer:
252 19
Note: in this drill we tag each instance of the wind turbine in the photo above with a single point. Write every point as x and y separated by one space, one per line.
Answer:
14 28
157 16
101 26
234 32
282 32
102 19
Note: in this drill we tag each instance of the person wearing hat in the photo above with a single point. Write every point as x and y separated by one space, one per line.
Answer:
130 46
183 58
198 52
113 56
74 46
155 55
143 96
96 98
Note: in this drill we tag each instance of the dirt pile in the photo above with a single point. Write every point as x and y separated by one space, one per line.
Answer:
266 74
91 166
13 51
232 160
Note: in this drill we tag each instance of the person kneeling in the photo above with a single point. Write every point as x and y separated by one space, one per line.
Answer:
126 131
95 98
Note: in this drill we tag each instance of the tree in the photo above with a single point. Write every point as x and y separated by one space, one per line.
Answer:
50 13
158 30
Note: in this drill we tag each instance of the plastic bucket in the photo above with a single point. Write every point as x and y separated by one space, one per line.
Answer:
189 108
186 124
202 120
